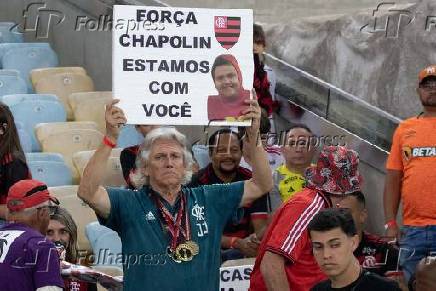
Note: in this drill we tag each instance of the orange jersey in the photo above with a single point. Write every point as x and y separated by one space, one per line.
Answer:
414 153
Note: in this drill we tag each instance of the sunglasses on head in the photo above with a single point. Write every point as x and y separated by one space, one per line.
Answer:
52 209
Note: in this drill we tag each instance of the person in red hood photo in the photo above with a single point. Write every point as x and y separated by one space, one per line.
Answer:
230 101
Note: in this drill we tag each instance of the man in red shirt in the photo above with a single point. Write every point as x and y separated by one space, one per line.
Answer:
285 260
230 101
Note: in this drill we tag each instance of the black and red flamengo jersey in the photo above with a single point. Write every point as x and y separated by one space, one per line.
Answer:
257 210
227 30
377 256
12 170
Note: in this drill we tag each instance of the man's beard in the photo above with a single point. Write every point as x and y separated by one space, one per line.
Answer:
430 101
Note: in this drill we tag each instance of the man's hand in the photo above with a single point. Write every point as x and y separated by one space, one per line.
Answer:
115 118
247 246
393 232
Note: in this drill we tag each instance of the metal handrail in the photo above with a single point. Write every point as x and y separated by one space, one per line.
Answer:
340 91
334 104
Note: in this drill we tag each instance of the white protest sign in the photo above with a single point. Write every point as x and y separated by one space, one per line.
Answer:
235 278
163 60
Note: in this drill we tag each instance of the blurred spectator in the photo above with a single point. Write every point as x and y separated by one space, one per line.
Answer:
28 261
259 45
411 178
285 260
264 77
239 237
334 239
62 230
261 85
298 153
13 165
128 155
425 275
273 150
374 253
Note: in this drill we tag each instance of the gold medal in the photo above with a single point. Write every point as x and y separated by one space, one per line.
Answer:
194 246
172 255
185 252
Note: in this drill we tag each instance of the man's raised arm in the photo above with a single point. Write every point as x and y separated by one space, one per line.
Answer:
261 181
90 189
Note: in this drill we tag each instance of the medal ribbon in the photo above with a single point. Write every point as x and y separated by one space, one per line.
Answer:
174 224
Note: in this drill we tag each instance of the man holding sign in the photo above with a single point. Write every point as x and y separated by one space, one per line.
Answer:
229 102
171 234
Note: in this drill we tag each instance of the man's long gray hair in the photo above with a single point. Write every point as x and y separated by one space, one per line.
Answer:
166 133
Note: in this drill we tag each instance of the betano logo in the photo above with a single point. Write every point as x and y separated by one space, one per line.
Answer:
418 152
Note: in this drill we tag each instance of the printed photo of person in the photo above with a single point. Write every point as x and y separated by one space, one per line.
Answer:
229 102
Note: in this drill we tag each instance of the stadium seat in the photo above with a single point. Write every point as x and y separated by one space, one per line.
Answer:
31 109
90 106
113 175
9 33
25 59
16 98
201 155
52 173
105 243
64 84
68 142
25 138
43 130
39 74
129 137
11 83
4 47
81 213
51 157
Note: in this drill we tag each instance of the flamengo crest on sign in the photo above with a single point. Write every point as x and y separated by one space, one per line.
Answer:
227 30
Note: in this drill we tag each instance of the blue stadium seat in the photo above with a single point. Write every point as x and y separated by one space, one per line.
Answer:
201 155
10 33
5 47
17 98
50 157
31 109
25 138
104 241
11 83
129 137
25 59
51 172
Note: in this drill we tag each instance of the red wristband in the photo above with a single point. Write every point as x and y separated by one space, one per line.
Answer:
108 142
232 242
390 223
